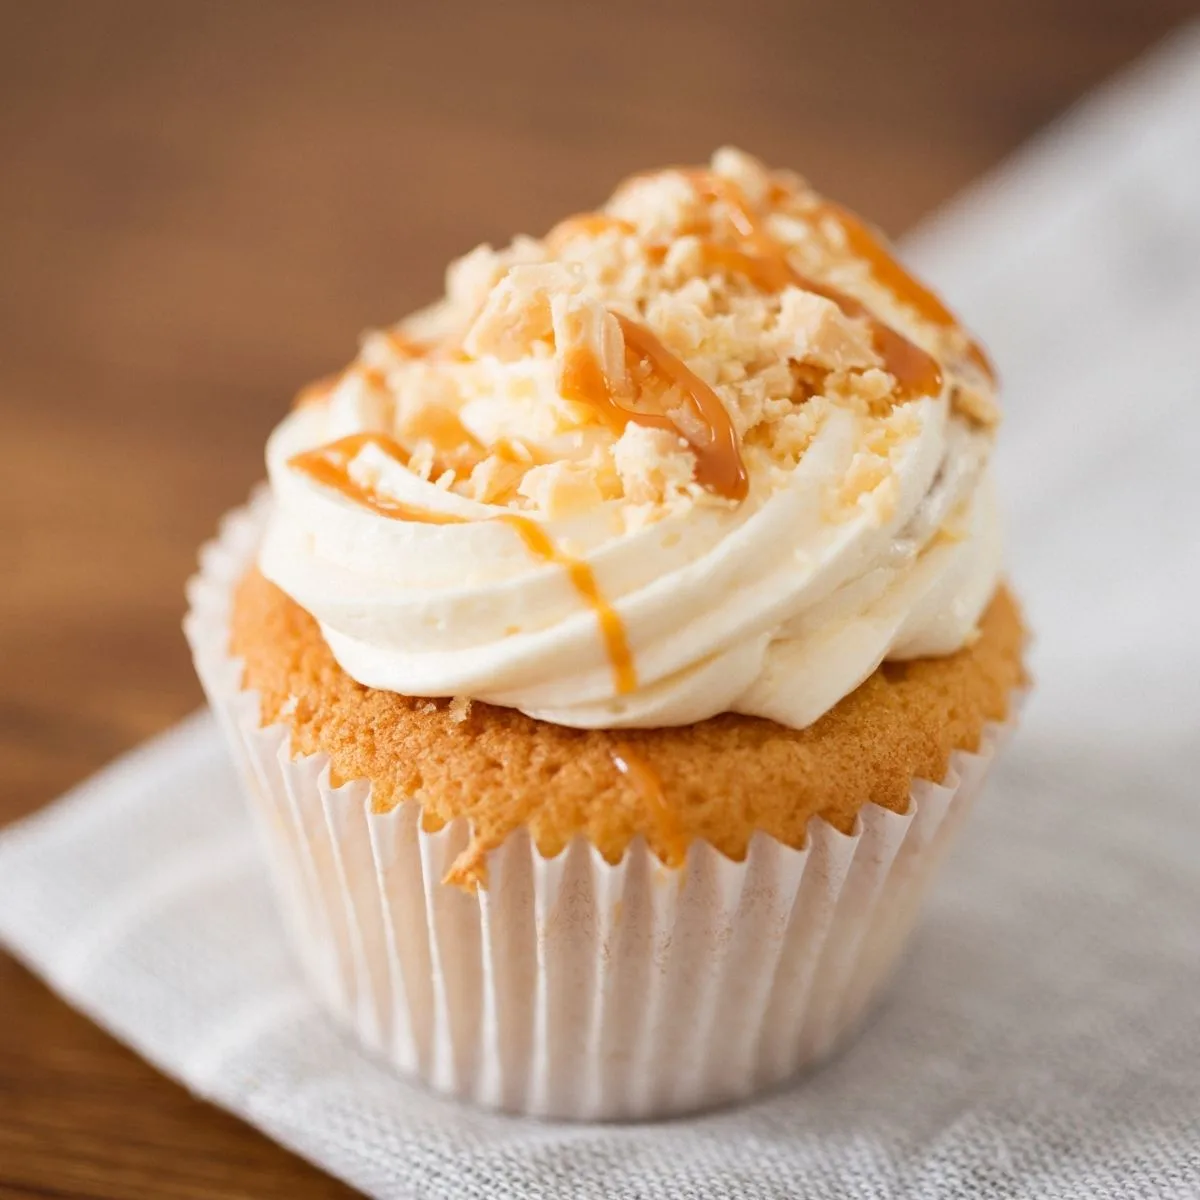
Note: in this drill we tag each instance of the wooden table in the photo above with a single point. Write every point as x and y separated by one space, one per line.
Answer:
200 207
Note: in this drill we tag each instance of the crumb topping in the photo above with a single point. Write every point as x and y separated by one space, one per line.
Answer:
688 336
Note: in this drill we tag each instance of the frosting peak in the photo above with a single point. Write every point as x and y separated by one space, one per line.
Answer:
697 451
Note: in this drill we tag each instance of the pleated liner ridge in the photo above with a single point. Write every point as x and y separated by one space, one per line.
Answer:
570 987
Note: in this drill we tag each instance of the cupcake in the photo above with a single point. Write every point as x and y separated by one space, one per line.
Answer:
617 647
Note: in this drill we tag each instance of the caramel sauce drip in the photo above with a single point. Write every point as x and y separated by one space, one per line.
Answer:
888 271
719 466
649 786
583 579
330 466
456 448
766 265
917 373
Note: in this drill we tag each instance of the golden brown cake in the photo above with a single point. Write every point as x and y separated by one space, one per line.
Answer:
618 645
720 781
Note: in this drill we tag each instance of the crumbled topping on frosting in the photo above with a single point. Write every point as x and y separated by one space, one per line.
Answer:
476 387
870 482
561 489
655 467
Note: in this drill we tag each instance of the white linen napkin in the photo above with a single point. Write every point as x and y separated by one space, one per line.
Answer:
1044 1037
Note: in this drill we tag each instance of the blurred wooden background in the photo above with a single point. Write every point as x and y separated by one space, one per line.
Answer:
202 204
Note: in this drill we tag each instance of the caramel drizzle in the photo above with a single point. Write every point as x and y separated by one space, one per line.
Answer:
583 579
457 448
888 271
719 465
767 266
648 785
330 466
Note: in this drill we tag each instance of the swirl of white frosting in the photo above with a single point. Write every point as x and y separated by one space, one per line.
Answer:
876 539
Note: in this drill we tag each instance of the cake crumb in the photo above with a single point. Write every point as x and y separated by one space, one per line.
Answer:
758 286
561 489
655 466
516 312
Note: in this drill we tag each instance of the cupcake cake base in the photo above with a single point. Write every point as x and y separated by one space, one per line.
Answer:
465 890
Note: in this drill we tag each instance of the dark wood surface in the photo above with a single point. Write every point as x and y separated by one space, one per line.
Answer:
201 204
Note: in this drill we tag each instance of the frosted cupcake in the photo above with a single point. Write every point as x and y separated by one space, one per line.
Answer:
617 647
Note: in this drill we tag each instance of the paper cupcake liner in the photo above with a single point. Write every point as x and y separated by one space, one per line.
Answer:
570 987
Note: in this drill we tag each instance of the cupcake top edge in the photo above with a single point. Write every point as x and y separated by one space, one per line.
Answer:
708 448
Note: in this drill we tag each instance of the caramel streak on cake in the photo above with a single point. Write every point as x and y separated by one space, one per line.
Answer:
764 260
719 466
744 450
329 466
864 243
720 781
648 785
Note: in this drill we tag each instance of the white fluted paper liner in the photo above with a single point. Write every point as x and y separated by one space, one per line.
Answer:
570 987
